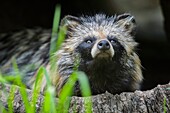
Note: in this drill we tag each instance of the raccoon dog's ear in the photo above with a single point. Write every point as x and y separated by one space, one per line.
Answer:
70 21
126 23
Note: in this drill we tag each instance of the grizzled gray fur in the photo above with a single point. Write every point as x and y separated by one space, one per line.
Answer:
30 48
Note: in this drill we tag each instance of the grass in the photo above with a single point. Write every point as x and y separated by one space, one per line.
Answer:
49 104
164 105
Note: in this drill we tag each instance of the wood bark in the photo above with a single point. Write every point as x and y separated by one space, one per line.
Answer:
156 100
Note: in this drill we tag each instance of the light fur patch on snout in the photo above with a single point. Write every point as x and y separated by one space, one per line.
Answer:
95 52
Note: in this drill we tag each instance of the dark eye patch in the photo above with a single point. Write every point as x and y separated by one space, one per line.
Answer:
85 47
117 46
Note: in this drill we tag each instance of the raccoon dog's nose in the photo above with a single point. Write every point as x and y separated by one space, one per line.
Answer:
103 45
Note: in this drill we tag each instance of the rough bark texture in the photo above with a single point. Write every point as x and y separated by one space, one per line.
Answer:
151 101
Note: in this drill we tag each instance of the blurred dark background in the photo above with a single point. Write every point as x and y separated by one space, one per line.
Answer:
151 16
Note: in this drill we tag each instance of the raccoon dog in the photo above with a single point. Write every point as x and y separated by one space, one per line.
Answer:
105 47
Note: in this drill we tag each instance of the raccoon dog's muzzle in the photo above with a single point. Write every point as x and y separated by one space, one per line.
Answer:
102 49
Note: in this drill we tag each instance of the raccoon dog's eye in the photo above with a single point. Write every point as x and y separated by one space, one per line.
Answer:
88 41
112 40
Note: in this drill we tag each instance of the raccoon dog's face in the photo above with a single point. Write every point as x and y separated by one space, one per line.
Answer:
100 37
97 48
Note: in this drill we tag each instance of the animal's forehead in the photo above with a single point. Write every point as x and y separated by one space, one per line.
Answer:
97 19
95 30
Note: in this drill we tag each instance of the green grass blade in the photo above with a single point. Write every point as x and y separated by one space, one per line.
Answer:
55 29
37 88
84 84
53 43
47 77
56 40
49 101
68 87
164 106
85 90
24 96
66 92
15 67
23 91
11 99
2 79
38 80
61 37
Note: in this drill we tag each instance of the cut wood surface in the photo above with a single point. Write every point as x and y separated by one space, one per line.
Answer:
156 100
